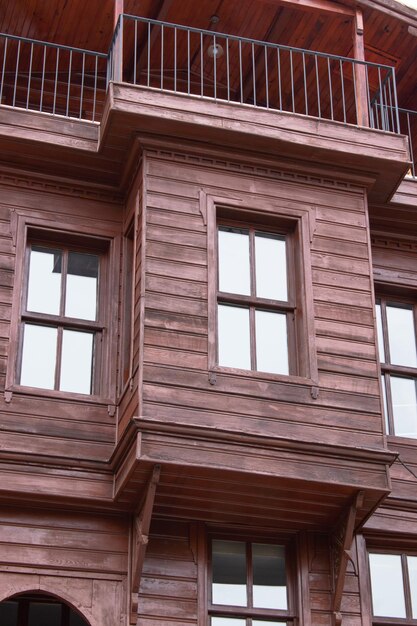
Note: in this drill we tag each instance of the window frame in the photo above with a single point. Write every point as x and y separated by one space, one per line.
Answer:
408 620
287 616
255 303
265 215
388 369
71 235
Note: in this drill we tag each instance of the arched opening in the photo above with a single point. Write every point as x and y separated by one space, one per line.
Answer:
37 609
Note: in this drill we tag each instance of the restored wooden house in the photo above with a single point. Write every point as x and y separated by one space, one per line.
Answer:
208 313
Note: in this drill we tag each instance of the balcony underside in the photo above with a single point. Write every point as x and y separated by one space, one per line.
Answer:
106 155
251 482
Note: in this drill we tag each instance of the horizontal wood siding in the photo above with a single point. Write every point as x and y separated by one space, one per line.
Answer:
63 428
176 387
168 589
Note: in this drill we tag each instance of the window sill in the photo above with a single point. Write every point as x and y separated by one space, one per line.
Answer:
51 394
264 376
401 440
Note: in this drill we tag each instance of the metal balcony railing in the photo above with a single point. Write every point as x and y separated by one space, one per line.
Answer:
206 64
61 80
199 63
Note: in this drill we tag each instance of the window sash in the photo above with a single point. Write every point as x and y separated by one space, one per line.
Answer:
394 595
69 376
392 373
245 609
250 355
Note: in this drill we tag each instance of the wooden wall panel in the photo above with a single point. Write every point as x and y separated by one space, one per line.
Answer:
176 386
168 589
32 423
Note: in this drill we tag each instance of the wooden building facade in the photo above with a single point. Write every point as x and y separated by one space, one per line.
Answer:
208 313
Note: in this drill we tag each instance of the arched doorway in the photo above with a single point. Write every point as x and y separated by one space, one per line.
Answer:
37 609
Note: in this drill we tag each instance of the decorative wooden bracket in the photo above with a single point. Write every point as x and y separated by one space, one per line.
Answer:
141 524
342 545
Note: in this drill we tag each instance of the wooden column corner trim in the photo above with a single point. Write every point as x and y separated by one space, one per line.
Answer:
141 525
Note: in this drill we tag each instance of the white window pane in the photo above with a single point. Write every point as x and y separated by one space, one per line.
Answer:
229 573
412 574
402 339
39 356
271 342
44 286
234 337
387 585
234 268
76 361
228 621
404 406
381 349
269 577
271 267
81 291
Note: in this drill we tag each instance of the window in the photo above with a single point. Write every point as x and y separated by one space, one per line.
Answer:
61 319
248 584
255 300
394 585
35 609
396 324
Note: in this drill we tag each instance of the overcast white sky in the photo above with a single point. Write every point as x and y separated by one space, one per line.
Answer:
410 3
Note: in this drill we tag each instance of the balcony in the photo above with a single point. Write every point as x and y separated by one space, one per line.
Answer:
157 57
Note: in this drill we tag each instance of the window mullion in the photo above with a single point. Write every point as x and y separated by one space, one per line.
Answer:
58 358
64 272
406 583
390 409
385 331
249 575
253 295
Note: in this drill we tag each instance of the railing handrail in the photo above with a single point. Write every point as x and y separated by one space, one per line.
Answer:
101 55
269 44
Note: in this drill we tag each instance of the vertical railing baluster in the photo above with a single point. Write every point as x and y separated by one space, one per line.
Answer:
279 78
175 59
381 100
16 73
56 80
240 71
368 97
95 89
43 78
69 83
266 77
254 74
305 84
215 66
394 87
386 113
135 52
162 56
355 93
148 73
188 62
329 73
29 76
391 108
3 69
228 69
317 85
342 82
202 64
410 145
292 82
82 86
